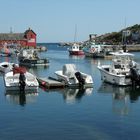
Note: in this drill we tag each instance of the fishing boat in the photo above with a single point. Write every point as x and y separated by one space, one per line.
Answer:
75 49
6 66
73 77
94 50
30 58
122 71
20 79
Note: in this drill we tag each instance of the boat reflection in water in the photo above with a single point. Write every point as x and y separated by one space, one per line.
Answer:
77 56
71 95
21 98
122 97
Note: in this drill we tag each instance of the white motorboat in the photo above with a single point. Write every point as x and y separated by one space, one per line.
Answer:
74 78
6 66
123 71
20 79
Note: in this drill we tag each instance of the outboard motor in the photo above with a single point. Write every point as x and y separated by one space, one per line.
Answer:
135 77
22 83
80 79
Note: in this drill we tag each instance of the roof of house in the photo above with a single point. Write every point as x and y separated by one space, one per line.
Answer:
29 30
15 36
12 36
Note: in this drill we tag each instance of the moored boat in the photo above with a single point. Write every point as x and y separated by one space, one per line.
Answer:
75 49
20 79
30 58
73 77
94 50
123 71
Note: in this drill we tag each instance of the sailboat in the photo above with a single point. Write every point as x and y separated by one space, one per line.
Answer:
75 49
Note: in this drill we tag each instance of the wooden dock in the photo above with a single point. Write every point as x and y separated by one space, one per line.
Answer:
50 83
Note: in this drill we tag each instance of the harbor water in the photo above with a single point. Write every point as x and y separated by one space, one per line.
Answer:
104 112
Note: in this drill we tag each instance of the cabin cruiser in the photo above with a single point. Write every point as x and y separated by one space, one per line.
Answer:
20 79
30 58
6 66
73 77
122 71
75 49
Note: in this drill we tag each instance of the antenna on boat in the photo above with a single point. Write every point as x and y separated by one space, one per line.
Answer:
124 34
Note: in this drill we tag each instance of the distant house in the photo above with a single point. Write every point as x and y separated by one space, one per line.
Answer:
26 39
136 36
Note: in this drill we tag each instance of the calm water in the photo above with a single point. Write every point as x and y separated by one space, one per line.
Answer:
102 113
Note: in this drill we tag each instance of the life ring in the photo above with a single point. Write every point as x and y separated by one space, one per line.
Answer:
92 49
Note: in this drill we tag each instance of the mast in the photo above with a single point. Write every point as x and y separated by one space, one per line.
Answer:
124 33
75 34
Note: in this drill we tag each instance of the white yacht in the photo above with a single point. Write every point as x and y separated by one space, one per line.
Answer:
122 70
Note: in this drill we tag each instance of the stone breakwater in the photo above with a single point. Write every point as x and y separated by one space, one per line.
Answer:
133 47
130 48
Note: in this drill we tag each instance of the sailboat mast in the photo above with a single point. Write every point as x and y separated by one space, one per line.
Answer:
75 34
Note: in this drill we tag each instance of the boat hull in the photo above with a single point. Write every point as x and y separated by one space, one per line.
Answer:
94 55
120 80
34 62
17 88
76 52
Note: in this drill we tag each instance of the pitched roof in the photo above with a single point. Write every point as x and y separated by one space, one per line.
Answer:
12 36
29 30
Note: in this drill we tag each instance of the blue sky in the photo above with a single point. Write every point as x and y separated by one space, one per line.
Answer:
55 20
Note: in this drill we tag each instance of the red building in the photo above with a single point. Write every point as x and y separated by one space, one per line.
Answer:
26 39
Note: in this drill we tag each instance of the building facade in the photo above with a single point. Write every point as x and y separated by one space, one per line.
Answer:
26 39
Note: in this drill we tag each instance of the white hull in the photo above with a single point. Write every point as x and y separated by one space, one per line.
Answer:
15 88
121 80
12 81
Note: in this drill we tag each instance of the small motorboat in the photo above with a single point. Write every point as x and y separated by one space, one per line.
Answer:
123 70
20 79
74 78
6 67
